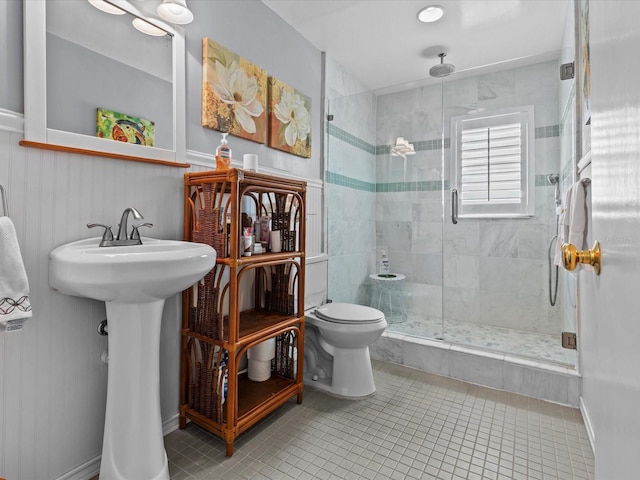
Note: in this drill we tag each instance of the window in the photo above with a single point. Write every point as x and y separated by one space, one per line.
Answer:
493 155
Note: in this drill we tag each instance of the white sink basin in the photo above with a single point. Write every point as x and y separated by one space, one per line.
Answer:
134 282
155 270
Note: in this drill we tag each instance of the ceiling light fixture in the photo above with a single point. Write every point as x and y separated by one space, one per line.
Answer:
107 7
431 14
175 11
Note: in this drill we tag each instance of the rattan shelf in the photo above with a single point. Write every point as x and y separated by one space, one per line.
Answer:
218 327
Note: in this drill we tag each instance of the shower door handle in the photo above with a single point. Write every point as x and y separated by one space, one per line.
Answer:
454 206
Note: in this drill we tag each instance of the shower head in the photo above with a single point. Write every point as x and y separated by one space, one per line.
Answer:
554 179
442 69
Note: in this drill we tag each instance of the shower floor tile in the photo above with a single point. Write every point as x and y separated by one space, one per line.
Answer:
504 340
416 426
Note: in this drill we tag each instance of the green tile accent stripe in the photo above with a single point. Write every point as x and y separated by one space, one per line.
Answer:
422 145
389 187
548 131
418 146
383 150
349 182
395 187
350 139
436 144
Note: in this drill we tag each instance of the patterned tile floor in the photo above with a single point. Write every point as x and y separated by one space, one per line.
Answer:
504 340
416 426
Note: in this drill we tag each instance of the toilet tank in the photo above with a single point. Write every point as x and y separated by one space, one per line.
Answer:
315 283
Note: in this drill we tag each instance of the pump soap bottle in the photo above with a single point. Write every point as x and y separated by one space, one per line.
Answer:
223 154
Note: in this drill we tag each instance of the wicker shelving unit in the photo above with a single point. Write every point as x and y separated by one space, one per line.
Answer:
241 302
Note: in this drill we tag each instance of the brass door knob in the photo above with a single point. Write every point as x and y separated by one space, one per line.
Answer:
571 257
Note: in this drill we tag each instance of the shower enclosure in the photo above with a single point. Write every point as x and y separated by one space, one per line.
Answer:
480 280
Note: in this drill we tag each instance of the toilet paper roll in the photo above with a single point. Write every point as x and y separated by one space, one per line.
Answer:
250 162
259 371
263 351
276 245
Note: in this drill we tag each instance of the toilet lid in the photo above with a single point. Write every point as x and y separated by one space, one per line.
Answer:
348 313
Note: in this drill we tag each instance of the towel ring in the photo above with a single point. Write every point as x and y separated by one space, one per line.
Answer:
5 205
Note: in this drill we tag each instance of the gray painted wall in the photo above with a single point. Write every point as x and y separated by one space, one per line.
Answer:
250 29
84 80
11 96
256 33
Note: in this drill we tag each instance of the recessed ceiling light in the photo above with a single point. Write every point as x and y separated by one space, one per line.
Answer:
431 14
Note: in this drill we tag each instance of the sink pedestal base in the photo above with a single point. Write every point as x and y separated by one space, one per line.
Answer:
133 447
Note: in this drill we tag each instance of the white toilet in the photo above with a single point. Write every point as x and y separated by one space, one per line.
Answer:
337 338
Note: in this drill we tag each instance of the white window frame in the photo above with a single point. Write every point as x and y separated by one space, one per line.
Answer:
495 208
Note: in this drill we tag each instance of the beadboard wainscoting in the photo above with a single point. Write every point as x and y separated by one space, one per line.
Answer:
52 380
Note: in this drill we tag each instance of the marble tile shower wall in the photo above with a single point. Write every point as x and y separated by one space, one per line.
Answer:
350 196
494 271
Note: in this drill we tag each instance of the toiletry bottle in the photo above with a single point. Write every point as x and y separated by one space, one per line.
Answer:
223 377
223 154
384 264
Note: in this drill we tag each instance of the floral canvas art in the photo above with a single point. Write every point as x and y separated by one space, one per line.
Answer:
124 128
289 119
234 93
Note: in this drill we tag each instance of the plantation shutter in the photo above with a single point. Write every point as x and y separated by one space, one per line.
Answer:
493 164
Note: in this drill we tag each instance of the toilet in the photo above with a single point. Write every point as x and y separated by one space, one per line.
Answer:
336 340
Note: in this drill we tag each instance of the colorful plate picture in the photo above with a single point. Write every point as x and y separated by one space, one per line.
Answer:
125 128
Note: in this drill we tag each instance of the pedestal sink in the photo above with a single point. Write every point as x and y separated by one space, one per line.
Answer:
134 281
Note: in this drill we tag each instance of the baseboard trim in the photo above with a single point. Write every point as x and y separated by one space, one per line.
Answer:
171 424
91 468
588 425
84 472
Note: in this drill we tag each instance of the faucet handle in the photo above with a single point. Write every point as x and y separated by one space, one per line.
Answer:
107 235
135 234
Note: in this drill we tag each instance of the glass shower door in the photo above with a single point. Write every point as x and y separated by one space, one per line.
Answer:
495 265
350 191
409 193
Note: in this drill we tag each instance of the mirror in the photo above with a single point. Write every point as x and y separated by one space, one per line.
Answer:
135 74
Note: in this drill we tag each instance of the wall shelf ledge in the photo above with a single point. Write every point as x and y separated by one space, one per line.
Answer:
96 153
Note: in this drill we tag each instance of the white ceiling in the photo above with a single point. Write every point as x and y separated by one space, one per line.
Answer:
382 43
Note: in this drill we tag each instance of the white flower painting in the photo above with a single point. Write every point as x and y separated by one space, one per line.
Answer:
233 93
289 119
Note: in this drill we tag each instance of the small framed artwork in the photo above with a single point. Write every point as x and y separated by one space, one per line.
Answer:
289 119
124 128
234 93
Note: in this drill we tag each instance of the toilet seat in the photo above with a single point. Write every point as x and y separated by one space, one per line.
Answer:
347 313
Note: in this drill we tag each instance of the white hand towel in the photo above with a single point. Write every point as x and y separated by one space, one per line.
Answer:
14 286
563 225
578 220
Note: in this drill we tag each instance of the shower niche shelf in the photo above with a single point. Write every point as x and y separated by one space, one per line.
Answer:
242 302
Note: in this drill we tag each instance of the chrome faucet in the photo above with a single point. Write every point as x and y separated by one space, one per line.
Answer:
122 229
122 238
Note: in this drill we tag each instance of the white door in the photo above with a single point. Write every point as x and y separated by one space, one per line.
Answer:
610 303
